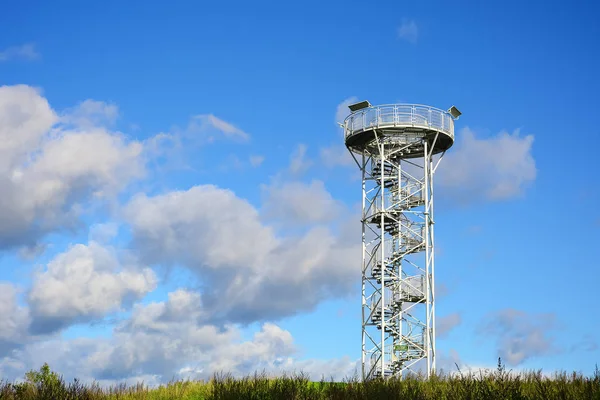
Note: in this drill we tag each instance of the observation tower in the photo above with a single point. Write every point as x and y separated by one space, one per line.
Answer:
398 149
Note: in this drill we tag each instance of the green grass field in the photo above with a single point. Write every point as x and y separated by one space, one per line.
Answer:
45 384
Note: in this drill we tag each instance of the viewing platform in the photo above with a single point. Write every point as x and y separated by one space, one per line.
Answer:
402 125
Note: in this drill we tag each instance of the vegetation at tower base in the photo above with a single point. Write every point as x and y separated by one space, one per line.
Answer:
499 384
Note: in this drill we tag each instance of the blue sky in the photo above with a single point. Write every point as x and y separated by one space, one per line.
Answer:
158 156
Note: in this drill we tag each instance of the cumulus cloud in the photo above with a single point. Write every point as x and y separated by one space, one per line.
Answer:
445 324
177 150
26 52
441 288
494 168
337 155
82 284
93 161
103 233
30 252
199 225
212 127
447 362
15 319
249 273
408 31
342 110
299 203
25 118
91 113
47 171
337 369
256 160
182 306
519 335
165 340
299 163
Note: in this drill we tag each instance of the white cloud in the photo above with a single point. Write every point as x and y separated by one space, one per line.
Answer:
408 31
256 160
212 127
445 324
441 289
337 369
178 149
446 363
519 335
299 163
234 163
182 306
342 110
496 168
105 161
24 52
47 172
103 233
15 319
90 113
298 203
164 152
25 117
249 273
165 337
82 284
199 225
166 340
266 349
337 155
231 163
30 252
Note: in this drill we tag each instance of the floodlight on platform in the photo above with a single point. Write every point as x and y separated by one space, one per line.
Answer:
455 112
359 106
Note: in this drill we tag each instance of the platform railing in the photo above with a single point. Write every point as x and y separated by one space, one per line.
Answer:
399 115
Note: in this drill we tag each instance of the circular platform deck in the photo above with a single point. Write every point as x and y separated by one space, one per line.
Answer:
399 125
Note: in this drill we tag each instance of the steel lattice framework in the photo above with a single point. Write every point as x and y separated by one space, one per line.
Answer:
398 149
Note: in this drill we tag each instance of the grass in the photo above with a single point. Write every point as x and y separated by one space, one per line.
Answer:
45 384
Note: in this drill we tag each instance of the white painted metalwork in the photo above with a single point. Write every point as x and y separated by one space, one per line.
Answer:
394 146
398 116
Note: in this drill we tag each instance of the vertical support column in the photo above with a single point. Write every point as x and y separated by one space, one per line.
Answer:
399 340
382 251
432 266
426 334
371 271
364 263
430 261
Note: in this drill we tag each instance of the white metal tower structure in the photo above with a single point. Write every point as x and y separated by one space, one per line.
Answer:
398 148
